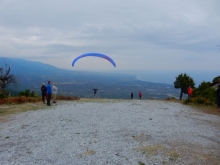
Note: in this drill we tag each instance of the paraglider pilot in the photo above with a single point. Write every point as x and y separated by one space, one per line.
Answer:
95 91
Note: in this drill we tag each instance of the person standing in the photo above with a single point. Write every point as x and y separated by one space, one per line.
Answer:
49 93
43 92
140 95
54 91
218 96
190 91
132 95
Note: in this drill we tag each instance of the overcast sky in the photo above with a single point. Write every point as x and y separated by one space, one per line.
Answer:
137 34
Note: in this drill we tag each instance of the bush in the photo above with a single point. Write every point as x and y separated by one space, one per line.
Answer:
27 93
2 95
204 95
188 101
199 100
20 100
67 98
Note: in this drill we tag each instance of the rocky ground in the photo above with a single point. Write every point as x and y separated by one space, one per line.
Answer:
102 131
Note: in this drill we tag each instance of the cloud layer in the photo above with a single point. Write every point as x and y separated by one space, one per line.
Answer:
138 35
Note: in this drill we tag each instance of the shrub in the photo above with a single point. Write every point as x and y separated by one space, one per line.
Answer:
188 101
67 98
27 93
204 95
2 95
199 100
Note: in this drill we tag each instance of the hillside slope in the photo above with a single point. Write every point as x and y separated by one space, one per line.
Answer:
31 75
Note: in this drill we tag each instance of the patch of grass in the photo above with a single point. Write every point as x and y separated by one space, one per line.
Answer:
14 105
175 153
209 109
67 98
171 98
142 137
24 99
141 163
100 100
90 152
173 156
15 108
151 150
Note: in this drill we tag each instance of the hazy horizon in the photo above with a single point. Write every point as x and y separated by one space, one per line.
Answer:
170 76
154 76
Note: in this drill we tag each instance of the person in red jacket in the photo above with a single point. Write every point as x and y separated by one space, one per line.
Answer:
190 91
140 95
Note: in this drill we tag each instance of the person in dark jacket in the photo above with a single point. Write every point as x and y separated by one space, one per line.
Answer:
218 96
95 91
43 91
132 95
49 93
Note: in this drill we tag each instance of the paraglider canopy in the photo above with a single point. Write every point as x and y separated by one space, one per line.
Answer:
94 55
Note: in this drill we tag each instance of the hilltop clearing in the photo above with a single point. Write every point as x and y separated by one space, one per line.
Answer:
104 131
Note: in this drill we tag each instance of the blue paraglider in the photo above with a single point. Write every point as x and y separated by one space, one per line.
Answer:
95 55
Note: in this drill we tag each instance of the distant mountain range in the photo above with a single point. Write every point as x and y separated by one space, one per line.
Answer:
31 75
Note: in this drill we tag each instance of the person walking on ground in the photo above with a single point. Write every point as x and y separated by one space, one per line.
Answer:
132 95
43 92
218 96
49 93
54 91
140 95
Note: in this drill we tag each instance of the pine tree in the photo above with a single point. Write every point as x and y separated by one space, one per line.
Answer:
183 81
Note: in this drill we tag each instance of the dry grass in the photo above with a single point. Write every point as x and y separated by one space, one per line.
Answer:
142 137
151 150
87 153
99 100
206 109
181 153
8 109
22 104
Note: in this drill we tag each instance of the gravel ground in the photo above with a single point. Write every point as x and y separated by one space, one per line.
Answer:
115 132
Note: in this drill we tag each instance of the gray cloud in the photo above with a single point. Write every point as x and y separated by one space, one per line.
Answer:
136 33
